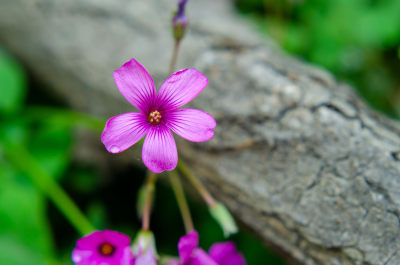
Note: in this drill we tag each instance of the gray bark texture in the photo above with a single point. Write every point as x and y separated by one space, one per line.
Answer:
297 156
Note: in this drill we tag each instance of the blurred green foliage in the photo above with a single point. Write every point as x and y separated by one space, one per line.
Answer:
358 40
24 230
39 138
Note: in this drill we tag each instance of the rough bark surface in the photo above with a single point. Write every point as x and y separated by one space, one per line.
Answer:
297 156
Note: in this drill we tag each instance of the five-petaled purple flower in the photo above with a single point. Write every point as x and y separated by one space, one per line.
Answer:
103 247
159 114
223 253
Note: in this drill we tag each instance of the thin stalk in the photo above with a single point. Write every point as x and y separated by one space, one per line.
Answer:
196 183
174 57
23 160
150 186
181 199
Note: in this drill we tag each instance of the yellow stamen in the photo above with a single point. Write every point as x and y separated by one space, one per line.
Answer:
154 117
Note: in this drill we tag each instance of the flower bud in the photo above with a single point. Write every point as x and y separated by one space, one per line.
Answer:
144 248
179 21
223 218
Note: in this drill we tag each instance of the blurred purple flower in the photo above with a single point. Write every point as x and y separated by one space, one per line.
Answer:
179 20
103 247
190 253
144 249
146 258
225 253
159 114
220 253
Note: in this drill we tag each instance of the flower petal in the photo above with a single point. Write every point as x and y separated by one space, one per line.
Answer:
90 241
187 244
159 149
225 253
192 124
180 88
136 84
117 239
147 258
123 131
127 257
80 257
200 257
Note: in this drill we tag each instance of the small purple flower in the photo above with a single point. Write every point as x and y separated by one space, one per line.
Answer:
159 114
103 247
144 249
220 253
190 253
179 20
225 253
146 258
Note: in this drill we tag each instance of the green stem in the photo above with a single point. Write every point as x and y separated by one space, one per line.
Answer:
174 56
20 157
150 186
181 199
196 183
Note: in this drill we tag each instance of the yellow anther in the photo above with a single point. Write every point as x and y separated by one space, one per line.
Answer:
154 117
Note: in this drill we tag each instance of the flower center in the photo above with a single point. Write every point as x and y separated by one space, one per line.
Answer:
106 249
154 117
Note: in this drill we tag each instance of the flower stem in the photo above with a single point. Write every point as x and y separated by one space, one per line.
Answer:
181 199
196 183
22 159
150 186
174 56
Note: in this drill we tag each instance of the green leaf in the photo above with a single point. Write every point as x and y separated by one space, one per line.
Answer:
51 147
15 252
25 236
12 84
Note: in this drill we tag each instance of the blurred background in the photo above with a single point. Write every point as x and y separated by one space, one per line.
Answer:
358 40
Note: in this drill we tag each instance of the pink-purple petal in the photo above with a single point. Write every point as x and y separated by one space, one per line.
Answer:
79 256
116 238
200 257
180 88
90 241
187 244
123 131
147 258
225 253
136 85
192 124
159 149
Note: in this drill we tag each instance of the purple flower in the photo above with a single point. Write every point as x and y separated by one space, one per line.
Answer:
147 258
190 253
103 247
180 16
159 114
144 249
179 20
220 253
225 253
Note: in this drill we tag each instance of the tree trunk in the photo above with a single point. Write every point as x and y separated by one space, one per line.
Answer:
297 156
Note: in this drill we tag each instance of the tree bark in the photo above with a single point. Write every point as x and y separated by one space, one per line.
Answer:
297 156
